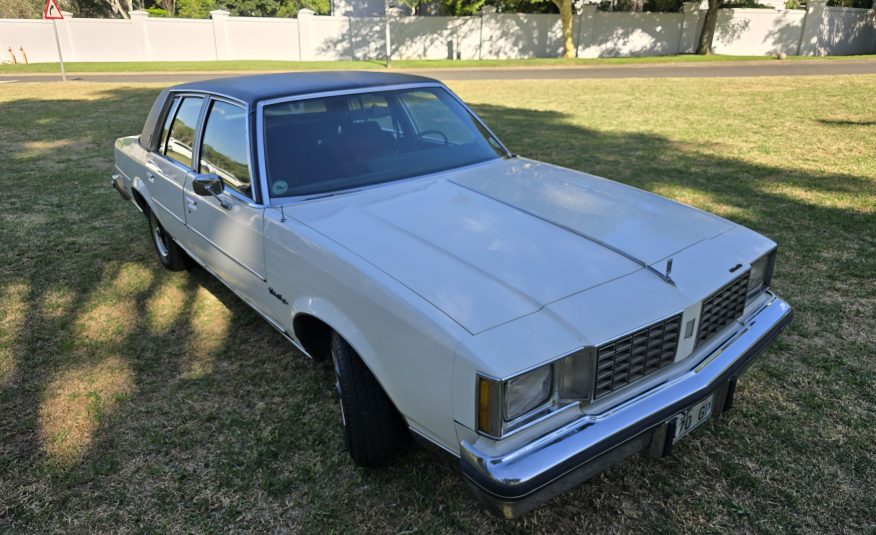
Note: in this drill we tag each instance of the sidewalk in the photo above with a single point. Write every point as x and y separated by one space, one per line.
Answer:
546 72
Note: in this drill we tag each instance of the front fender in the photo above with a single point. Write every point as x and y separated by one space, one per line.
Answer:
406 343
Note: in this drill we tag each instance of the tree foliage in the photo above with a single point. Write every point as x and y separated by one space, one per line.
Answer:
200 9
196 9
21 9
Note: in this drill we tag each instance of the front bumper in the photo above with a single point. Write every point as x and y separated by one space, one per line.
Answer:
516 482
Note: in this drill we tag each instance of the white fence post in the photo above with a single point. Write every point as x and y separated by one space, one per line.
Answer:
391 14
220 35
305 18
139 33
690 28
487 12
586 22
810 34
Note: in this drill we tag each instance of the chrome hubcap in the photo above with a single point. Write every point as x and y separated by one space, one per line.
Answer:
160 238
338 389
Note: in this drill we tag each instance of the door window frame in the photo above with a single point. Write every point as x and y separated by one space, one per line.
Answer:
249 159
171 108
208 97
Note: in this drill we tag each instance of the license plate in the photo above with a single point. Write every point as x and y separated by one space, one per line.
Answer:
692 417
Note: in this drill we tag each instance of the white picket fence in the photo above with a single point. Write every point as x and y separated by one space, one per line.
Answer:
819 30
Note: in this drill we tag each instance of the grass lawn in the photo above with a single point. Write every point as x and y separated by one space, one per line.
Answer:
264 65
135 399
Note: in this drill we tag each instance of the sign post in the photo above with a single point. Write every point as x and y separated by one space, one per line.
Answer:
53 13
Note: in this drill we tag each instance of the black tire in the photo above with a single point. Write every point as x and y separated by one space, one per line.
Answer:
169 253
374 431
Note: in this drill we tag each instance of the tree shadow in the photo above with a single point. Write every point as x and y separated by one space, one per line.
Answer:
522 35
616 34
251 439
846 122
785 33
843 32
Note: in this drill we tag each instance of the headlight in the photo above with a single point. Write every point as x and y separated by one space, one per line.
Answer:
504 406
526 392
761 273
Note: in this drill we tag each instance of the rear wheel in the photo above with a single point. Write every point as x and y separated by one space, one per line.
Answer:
169 253
374 431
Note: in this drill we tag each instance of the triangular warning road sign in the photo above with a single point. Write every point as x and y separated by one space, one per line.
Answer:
52 10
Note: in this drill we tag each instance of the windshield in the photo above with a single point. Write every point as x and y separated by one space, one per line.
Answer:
327 144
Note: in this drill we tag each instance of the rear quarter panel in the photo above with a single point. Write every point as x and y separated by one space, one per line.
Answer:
130 160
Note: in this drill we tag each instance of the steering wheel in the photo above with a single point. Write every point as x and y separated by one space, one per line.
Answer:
424 133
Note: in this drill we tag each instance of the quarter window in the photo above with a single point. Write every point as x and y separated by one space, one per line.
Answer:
181 138
171 113
225 149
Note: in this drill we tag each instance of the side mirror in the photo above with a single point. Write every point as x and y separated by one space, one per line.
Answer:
208 185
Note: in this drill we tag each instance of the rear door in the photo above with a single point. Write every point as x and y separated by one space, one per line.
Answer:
228 238
168 169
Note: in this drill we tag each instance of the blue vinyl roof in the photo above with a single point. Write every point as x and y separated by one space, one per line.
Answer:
258 87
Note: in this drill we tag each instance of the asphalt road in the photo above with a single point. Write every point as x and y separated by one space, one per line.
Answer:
678 70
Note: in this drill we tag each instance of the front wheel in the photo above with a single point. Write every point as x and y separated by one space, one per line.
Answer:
374 431
169 253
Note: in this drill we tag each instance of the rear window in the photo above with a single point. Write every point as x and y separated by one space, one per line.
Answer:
333 143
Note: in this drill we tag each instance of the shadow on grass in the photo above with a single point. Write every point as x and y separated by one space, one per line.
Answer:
118 394
844 122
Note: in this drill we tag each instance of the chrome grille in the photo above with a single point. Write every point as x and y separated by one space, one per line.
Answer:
632 357
723 308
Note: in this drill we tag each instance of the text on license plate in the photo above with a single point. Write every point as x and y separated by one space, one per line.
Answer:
690 418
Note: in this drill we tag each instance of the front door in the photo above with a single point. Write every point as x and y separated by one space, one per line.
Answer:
226 231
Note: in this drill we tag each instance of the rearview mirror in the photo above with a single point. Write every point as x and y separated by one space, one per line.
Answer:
208 185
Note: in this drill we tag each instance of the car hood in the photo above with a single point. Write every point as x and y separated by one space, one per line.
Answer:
493 242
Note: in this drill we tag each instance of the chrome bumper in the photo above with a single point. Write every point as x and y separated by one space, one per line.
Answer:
516 482
120 187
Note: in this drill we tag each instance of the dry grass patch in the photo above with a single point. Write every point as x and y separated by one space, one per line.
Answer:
56 303
107 323
12 317
166 305
210 321
76 402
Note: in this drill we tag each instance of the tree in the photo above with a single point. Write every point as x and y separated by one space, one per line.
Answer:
459 8
567 15
21 9
169 6
565 7
708 34
195 9
120 7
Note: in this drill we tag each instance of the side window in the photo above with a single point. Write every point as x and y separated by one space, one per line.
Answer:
225 147
181 138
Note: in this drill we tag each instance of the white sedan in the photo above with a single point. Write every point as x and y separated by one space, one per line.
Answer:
536 323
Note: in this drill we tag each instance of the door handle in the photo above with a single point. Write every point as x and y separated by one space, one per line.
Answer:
191 205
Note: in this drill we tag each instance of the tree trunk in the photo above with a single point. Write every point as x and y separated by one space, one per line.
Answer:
708 34
566 16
